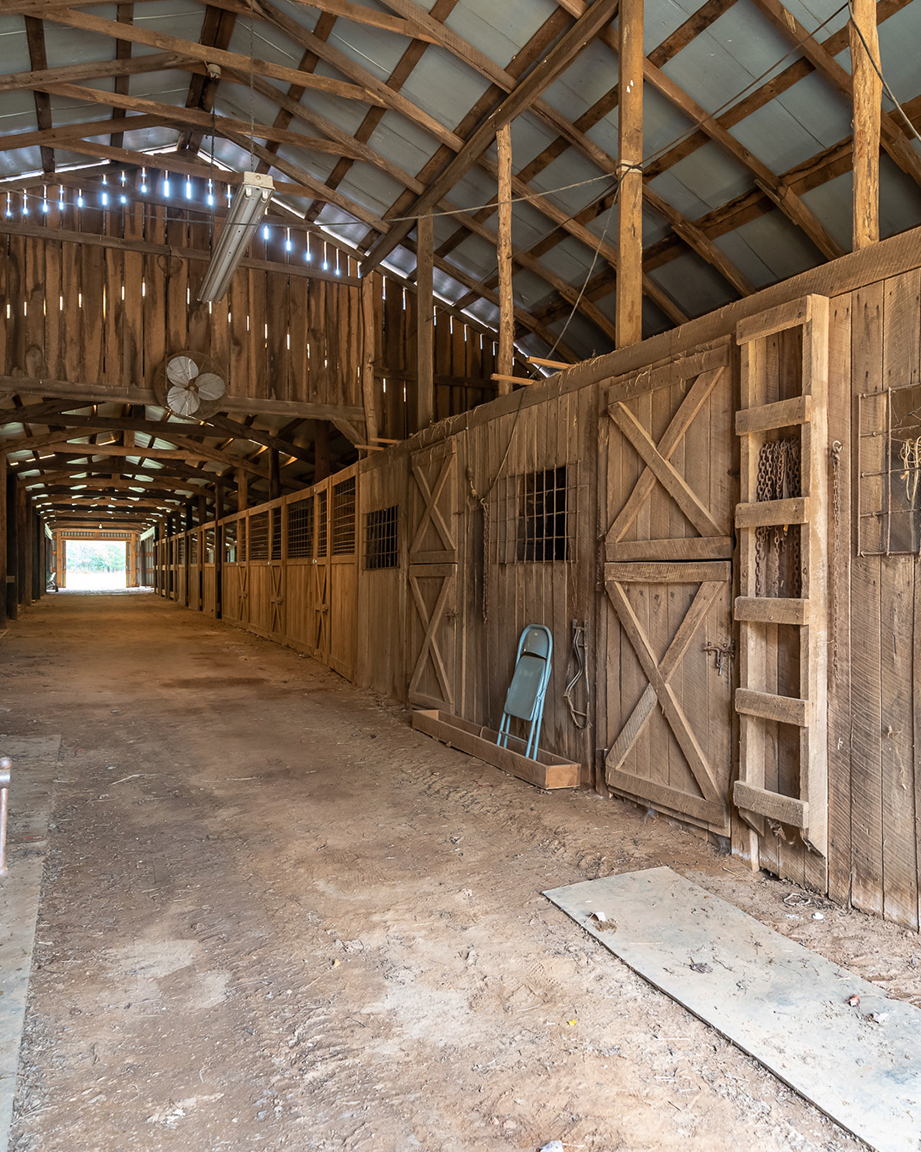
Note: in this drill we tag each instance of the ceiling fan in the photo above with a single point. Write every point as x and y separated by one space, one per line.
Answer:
190 384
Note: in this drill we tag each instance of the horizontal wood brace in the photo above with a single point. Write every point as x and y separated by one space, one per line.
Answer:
665 796
427 559
432 571
682 549
786 809
771 513
793 314
665 375
768 706
766 417
718 571
772 610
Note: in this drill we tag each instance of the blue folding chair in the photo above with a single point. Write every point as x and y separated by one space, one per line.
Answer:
525 697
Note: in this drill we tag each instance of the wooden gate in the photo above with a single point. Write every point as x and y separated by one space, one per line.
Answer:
320 597
433 561
666 672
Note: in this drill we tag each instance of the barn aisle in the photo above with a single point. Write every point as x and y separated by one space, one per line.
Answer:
275 917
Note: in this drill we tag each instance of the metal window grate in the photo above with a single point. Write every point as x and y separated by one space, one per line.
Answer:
300 529
533 514
344 518
180 550
276 533
889 481
323 524
382 538
230 541
193 548
259 536
208 539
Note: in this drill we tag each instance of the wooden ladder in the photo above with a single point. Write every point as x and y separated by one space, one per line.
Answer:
756 420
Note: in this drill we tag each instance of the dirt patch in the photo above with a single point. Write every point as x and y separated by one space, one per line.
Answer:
287 921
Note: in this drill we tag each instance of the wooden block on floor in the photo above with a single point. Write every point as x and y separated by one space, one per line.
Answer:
546 771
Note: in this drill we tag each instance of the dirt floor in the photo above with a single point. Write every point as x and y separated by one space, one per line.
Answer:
273 916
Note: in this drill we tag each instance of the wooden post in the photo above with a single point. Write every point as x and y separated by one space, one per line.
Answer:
242 490
2 539
868 89
274 475
189 516
218 500
320 451
506 357
202 508
425 364
629 317
368 354
24 547
12 550
38 554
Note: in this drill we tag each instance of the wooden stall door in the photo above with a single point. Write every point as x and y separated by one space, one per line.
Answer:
277 581
666 494
434 654
320 591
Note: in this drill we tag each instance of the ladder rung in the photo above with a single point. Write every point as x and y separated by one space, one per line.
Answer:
771 610
786 809
771 513
768 706
766 417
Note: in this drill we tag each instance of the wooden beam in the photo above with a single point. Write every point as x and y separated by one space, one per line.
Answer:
207 54
93 70
99 393
868 91
362 15
549 69
629 314
368 355
35 37
425 360
193 116
506 356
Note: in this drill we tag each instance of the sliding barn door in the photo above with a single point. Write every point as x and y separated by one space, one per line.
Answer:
433 575
666 673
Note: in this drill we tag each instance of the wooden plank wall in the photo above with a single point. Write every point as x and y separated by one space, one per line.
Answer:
874 730
110 315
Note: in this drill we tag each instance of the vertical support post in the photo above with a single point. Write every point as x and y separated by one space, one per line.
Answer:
12 550
274 475
320 451
2 539
368 354
24 547
868 89
202 508
242 490
425 364
218 500
629 310
506 357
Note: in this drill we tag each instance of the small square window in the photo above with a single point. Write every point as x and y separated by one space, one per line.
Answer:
381 538
542 516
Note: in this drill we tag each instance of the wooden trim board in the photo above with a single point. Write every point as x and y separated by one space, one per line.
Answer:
546 771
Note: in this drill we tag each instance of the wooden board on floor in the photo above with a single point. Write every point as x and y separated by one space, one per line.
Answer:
776 1000
545 771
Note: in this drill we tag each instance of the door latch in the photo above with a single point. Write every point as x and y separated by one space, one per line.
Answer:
721 652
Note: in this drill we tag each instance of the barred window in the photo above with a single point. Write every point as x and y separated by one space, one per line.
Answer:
322 524
300 529
209 545
276 533
381 538
259 536
180 550
193 548
889 492
344 518
230 541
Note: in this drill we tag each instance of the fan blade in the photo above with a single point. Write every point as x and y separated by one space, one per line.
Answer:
210 386
180 370
182 401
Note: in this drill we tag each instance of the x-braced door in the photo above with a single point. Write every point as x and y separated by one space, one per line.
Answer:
277 575
320 592
667 492
433 560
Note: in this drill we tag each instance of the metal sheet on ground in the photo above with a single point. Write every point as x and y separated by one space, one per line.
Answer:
34 765
776 1000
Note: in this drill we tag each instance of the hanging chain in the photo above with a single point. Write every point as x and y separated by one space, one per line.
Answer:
779 478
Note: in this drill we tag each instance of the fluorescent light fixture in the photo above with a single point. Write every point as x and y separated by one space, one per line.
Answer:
250 202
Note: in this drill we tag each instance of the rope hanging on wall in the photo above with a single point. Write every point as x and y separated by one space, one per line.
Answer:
777 568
